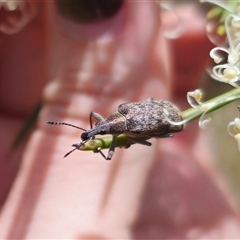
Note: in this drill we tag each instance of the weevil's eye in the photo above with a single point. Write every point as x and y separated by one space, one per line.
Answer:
86 11
84 136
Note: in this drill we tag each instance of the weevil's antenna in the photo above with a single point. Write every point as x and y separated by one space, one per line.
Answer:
67 124
69 152
76 145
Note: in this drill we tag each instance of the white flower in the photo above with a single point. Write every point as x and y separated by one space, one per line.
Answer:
234 127
234 130
226 73
194 99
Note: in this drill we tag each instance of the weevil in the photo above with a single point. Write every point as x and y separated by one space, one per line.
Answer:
138 121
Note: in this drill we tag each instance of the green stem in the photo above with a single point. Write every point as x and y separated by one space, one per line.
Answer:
189 115
217 102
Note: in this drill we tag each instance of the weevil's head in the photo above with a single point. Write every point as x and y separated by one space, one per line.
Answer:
84 136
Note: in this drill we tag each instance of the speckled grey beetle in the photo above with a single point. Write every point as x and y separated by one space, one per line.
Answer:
138 121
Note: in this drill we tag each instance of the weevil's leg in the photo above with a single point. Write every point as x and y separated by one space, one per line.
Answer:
139 141
99 151
111 149
109 156
97 116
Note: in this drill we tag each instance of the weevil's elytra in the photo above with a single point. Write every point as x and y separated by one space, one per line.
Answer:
138 121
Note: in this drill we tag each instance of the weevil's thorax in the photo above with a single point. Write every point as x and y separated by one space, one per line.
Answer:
117 123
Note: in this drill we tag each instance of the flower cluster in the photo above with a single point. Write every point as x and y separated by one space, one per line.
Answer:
228 72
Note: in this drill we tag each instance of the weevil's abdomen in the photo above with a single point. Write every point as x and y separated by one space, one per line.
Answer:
148 118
